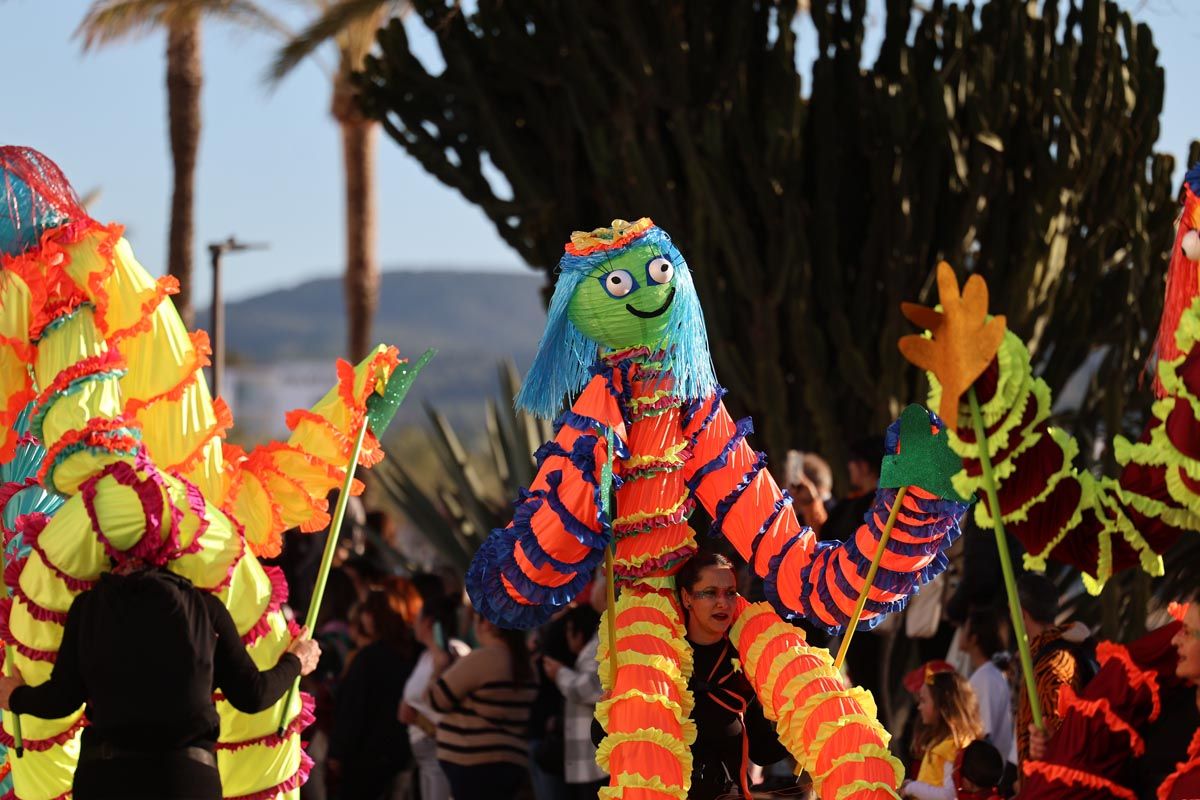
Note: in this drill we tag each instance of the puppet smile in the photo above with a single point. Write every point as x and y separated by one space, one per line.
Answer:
655 313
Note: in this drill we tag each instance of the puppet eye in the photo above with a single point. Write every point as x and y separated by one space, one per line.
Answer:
618 283
1191 245
660 270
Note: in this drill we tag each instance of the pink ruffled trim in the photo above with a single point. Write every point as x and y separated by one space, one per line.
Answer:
661 521
291 783
12 579
301 721
7 635
224 584
279 595
30 527
149 491
12 795
9 490
199 507
41 745
654 565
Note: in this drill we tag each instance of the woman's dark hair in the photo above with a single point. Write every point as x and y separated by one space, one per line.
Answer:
982 764
340 597
984 626
1039 597
387 622
518 654
442 609
689 573
428 585
583 619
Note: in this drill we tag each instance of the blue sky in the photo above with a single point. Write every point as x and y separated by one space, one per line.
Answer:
270 167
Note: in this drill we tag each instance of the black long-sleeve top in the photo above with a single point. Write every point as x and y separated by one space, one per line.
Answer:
365 726
145 651
720 694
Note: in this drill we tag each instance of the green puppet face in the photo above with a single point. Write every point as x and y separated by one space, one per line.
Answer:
627 302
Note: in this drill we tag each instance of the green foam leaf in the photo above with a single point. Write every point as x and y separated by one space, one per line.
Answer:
924 459
381 408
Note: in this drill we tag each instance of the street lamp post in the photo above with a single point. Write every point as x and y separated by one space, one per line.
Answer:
215 251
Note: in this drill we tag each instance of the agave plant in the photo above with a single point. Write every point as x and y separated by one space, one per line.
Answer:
473 494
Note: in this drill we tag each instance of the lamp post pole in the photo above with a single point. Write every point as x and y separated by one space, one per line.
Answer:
215 251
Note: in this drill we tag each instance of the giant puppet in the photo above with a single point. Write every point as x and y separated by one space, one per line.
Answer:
646 437
111 446
1000 424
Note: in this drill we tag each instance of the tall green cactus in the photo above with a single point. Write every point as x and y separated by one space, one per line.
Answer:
1010 142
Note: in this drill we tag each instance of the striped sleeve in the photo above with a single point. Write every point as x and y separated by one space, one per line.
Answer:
460 678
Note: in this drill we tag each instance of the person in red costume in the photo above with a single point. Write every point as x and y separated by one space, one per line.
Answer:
1184 782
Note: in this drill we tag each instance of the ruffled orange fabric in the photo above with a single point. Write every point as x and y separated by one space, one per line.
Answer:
105 434
105 245
646 713
217 430
1057 773
164 287
1192 764
201 350
1106 651
830 731
55 280
42 266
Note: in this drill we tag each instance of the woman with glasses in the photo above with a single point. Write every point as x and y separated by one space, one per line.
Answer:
731 730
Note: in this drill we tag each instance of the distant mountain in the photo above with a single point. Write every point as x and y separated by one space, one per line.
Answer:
473 319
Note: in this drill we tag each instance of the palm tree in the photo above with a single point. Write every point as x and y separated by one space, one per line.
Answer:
109 21
351 25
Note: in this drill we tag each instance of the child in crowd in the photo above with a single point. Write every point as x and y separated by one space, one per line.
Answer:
950 713
978 772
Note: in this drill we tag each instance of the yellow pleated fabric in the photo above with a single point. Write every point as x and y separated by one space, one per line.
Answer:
134 441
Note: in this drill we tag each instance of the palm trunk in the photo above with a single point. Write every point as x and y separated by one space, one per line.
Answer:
184 79
359 141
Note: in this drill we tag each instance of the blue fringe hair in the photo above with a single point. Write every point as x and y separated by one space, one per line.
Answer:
562 366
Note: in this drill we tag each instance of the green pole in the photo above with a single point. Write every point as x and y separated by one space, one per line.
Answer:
862 595
610 613
1010 581
335 528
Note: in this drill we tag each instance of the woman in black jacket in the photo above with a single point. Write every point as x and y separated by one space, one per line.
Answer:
144 649
731 730
369 745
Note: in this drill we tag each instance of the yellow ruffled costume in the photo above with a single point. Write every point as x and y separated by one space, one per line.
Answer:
114 389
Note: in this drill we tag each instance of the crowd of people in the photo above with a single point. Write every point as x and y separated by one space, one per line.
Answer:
419 698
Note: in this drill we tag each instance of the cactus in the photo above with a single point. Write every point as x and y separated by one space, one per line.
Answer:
1015 142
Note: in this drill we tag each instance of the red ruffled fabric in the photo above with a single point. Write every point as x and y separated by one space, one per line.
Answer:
1090 753
1187 772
